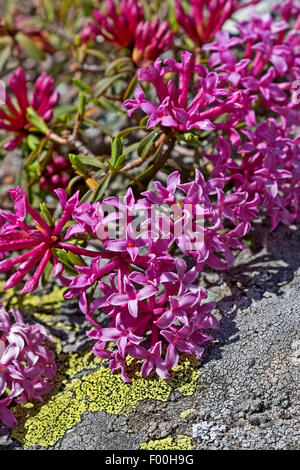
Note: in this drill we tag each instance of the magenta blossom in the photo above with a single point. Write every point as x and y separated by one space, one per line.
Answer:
56 175
13 116
269 168
37 239
27 368
210 100
126 29
207 17
151 298
118 26
151 40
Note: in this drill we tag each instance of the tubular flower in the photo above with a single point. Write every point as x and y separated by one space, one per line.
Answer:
37 239
207 17
119 27
27 367
126 29
289 9
151 40
211 99
13 116
151 298
146 312
269 167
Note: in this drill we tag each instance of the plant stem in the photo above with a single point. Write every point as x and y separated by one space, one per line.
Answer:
70 140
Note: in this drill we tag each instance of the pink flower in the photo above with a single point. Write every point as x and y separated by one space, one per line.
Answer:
207 17
210 99
119 26
13 117
27 368
56 175
126 29
36 239
269 169
89 32
151 40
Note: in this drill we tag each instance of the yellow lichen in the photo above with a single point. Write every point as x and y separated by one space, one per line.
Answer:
84 382
187 412
99 390
41 307
181 442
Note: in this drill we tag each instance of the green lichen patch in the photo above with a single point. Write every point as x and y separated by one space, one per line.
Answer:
39 306
186 413
84 383
181 442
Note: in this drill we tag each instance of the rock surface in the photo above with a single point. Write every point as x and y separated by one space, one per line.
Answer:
246 393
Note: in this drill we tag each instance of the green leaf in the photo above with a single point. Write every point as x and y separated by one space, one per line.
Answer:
97 53
46 273
117 63
91 161
81 104
130 89
76 163
143 121
36 120
49 10
107 104
63 109
190 138
116 150
30 47
146 9
105 83
76 259
131 148
119 162
171 16
87 197
147 143
62 256
81 85
45 214
102 187
5 56
32 141
127 131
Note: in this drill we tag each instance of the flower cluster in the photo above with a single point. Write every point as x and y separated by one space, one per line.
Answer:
119 27
211 99
13 117
55 175
27 367
126 29
207 17
151 297
270 168
233 99
38 238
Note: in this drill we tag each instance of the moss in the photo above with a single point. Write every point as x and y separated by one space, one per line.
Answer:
181 442
78 391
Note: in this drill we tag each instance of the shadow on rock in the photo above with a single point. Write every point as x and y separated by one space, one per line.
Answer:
260 271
